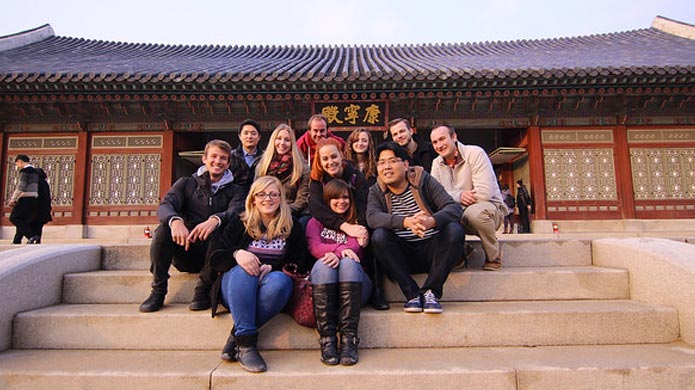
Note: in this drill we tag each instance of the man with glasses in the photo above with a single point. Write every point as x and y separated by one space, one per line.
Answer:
416 228
466 173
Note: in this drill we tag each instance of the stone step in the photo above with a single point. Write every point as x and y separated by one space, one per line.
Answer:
657 366
518 251
512 283
522 323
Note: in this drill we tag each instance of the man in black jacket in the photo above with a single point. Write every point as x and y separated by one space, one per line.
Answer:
420 151
24 200
189 213
245 157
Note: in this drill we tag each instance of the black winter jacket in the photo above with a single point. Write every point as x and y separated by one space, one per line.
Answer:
191 198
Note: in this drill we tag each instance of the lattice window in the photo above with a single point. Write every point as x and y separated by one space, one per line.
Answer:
60 170
665 173
125 179
580 174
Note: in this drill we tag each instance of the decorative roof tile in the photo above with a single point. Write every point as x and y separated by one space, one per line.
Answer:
69 60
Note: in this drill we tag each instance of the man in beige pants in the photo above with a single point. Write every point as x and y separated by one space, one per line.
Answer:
466 173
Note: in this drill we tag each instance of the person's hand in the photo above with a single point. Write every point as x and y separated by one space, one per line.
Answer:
12 202
248 261
468 198
330 259
350 254
263 271
203 230
419 223
363 241
179 233
354 230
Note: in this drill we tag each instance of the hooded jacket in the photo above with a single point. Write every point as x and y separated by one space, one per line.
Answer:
194 199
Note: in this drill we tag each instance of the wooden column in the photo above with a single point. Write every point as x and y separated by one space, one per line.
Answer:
167 174
536 172
623 173
81 186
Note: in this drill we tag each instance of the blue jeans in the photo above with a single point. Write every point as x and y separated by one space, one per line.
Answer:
436 256
253 304
347 271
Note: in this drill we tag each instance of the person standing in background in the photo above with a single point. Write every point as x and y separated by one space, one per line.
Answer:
25 200
523 203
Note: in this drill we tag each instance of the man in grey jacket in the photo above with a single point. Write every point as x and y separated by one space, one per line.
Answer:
24 200
466 173
416 228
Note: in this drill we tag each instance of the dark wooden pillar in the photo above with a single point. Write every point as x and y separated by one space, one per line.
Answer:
623 173
167 174
536 171
81 187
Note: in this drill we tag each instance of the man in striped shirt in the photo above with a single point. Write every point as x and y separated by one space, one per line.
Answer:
416 228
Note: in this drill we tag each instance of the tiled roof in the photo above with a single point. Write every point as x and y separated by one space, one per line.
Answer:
70 60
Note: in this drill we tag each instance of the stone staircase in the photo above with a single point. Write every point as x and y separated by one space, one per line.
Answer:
549 320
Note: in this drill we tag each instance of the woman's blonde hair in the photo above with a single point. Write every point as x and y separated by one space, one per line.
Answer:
297 158
280 226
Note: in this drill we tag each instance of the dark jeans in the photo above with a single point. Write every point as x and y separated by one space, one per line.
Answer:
164 252
21 216
436 256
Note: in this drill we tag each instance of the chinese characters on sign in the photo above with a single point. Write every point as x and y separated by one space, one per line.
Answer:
353 113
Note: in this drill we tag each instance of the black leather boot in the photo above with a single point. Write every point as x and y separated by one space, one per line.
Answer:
201 298
156 299
377 300
153 303
350 309
326 312
229 349
247 353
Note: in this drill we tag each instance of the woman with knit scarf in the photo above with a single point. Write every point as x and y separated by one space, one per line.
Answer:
283 160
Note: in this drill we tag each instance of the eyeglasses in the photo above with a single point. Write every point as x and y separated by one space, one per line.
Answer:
391 161
264 195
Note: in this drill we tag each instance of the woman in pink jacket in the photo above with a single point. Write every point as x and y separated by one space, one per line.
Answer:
340 284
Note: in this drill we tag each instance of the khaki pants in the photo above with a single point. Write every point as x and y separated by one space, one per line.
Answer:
483 219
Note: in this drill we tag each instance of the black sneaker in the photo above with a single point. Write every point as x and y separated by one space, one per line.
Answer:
432 305
413 306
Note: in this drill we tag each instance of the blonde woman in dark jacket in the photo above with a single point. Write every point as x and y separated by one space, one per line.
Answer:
283 160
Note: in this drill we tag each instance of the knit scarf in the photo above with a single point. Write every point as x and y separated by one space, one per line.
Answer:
280 166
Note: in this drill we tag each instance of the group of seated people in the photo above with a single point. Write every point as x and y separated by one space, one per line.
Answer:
348 212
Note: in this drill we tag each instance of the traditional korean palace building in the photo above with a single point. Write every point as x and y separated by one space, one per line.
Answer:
599 127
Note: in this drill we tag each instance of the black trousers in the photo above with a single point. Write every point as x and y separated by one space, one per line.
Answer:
164 252
436 256
21 216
